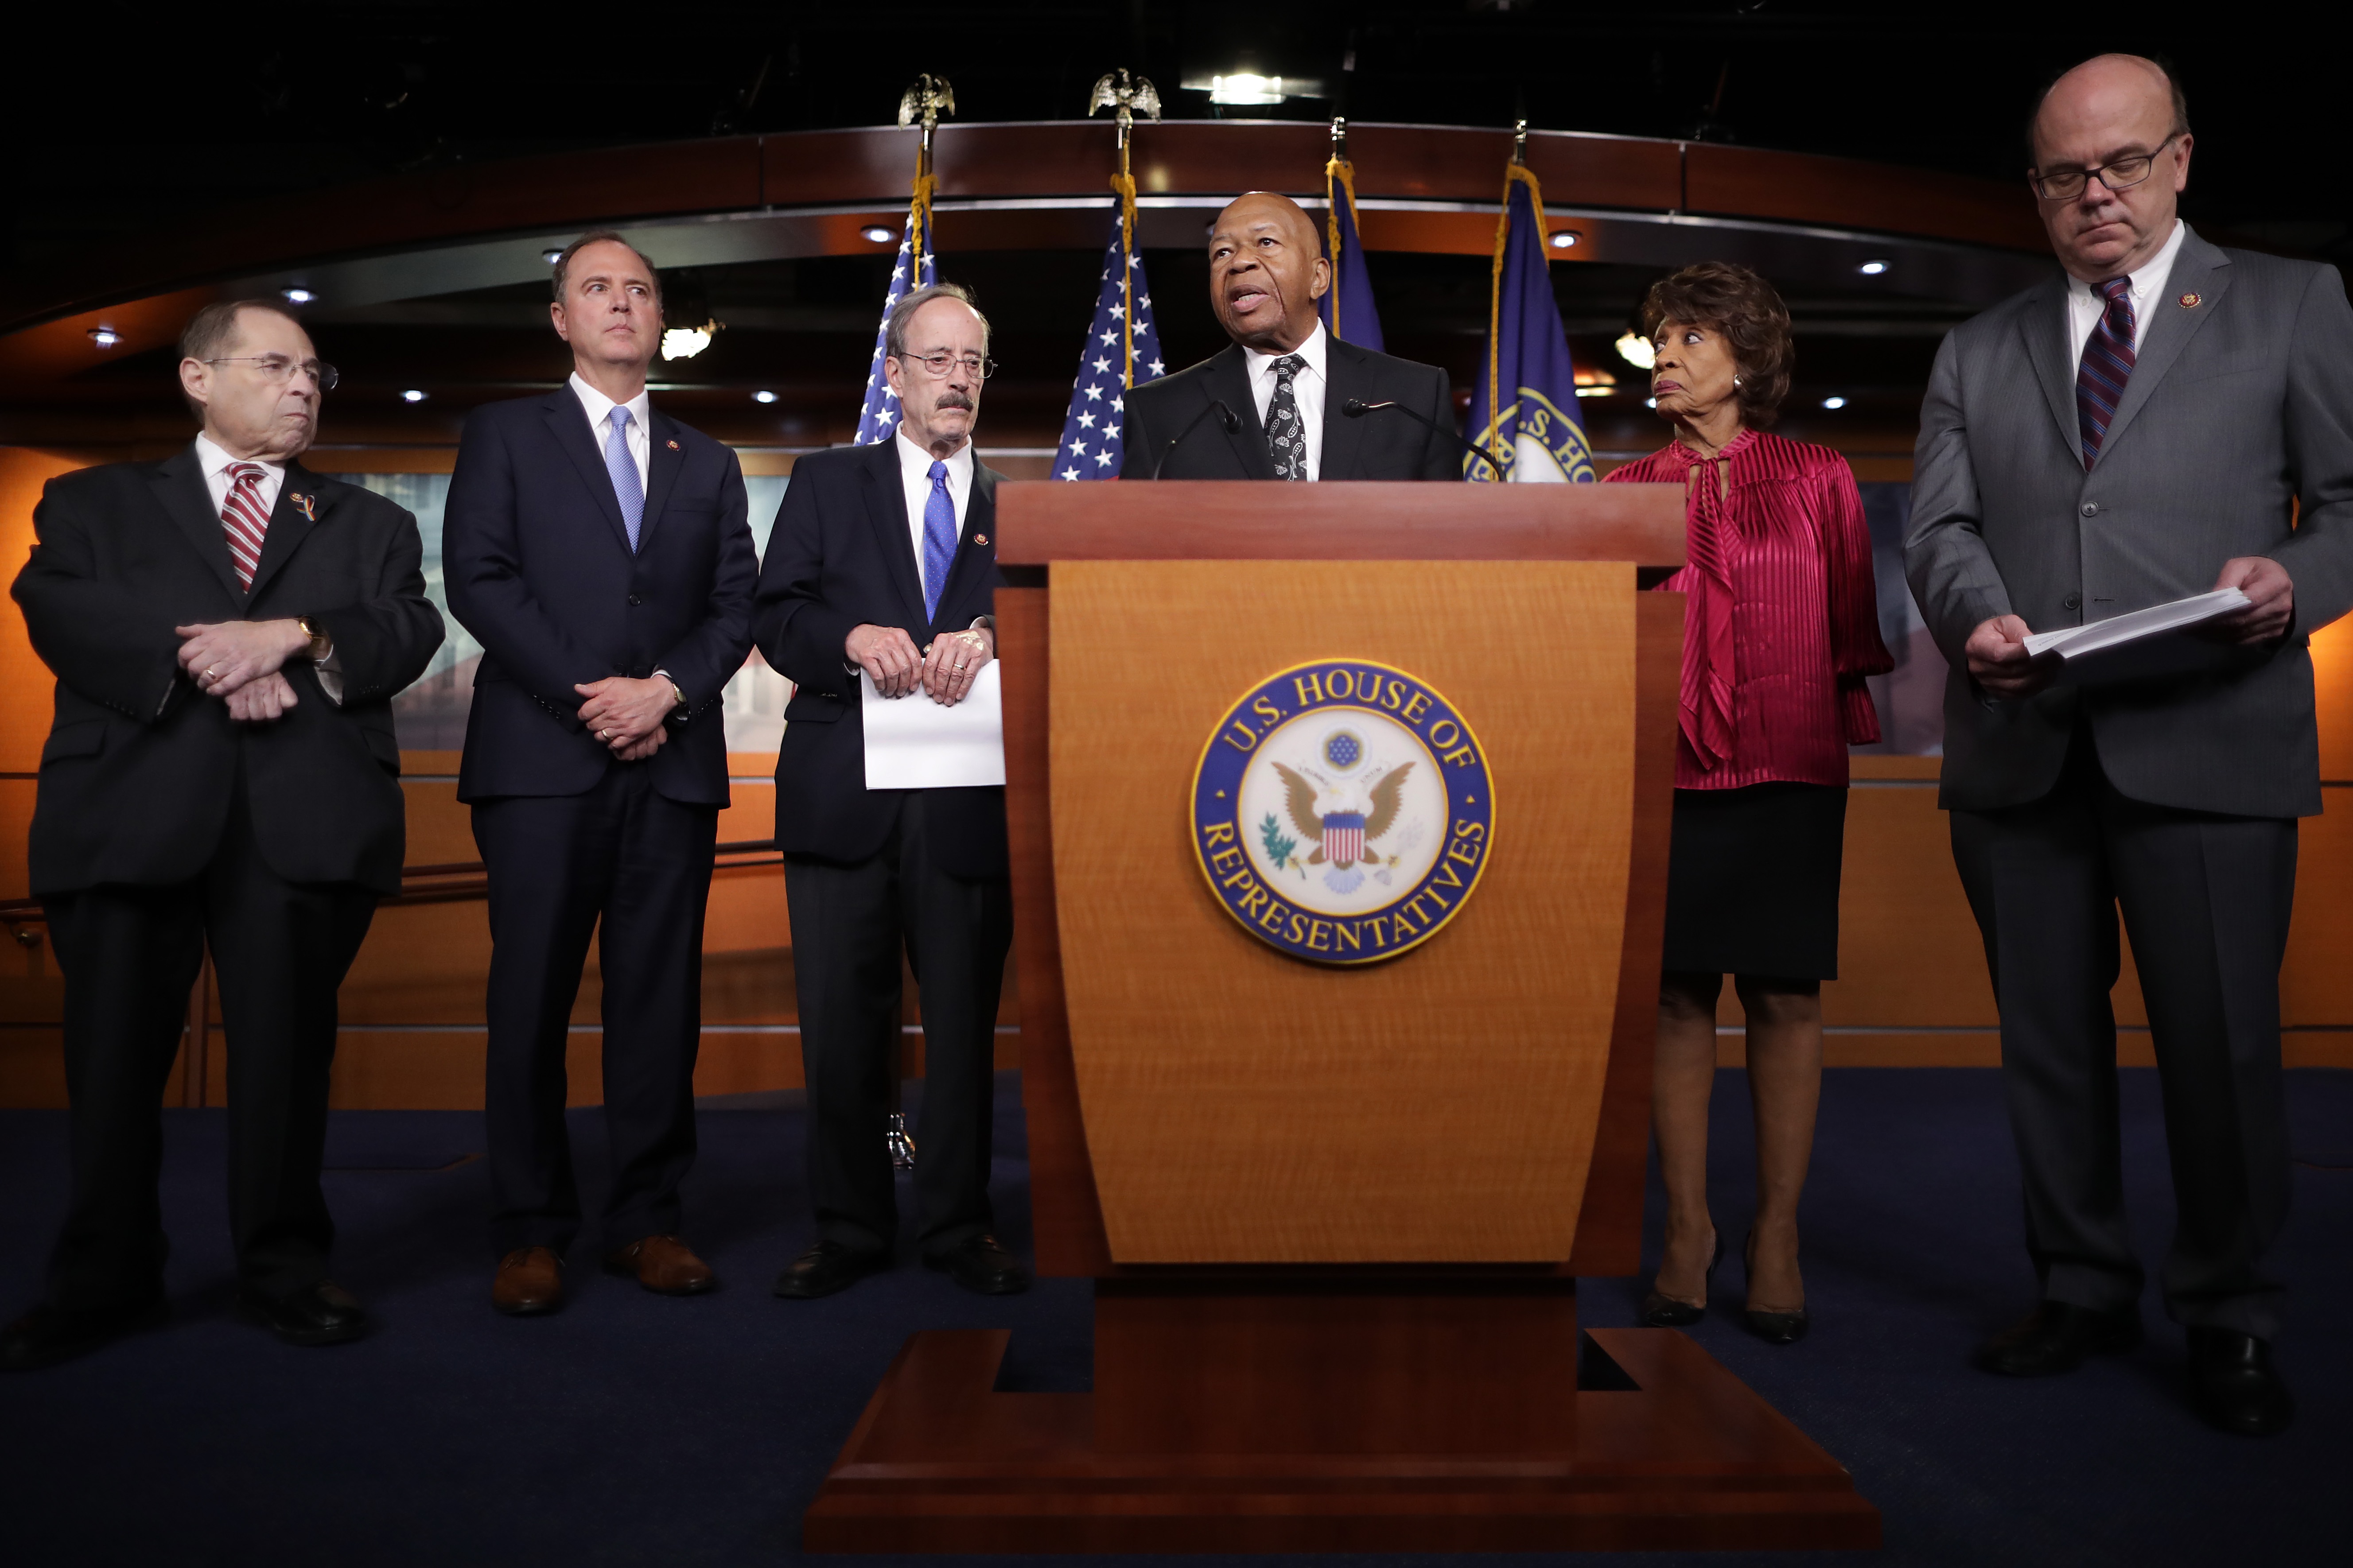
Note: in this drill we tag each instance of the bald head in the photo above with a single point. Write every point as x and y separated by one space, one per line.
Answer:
2123 117
1266 272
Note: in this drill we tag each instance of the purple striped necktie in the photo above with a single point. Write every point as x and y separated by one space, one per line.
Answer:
245 520
2108 365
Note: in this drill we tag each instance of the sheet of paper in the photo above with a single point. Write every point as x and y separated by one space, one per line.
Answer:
2077 642
913 742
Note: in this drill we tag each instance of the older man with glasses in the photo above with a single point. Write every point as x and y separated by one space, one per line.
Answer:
882 572
227 631
2161 418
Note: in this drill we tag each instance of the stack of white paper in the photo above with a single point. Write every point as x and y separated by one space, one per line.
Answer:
2073 643
913 742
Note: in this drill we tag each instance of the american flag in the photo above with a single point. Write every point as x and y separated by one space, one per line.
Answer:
1091 443
1344 838
880 415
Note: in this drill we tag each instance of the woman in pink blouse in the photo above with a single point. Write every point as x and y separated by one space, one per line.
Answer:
1780 627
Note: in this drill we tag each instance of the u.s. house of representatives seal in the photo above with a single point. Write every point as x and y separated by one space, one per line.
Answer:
1342 811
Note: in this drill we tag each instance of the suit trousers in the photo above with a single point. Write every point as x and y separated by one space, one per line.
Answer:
624 864
130 955
849 922
2205 899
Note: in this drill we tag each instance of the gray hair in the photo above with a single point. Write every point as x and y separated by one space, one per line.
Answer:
602 237
895 326
214 329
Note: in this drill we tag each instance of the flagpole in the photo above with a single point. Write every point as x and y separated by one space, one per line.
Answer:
922 105
1518 169
1339 176
1114 91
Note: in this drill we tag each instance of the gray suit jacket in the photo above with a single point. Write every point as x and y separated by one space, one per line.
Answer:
2235 438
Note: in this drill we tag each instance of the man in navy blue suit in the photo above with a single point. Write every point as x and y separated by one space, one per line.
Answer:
880 566
600 552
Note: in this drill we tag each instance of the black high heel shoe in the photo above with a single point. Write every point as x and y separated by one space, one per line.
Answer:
1666 1312
1773 1328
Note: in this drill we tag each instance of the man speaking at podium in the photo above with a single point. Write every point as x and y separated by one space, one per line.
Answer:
1287 400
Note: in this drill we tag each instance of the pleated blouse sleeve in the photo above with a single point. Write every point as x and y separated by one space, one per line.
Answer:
1856 648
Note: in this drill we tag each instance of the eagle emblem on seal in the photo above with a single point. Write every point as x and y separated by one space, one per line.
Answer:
1345 820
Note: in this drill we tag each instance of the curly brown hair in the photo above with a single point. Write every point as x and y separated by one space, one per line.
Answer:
1727 298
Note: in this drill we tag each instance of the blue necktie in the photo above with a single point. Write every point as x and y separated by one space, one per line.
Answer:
628 488
939 540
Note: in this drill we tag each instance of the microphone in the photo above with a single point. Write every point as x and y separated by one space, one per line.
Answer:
1215 405
1356 408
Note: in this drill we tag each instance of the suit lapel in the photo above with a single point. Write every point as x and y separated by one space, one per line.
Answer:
886 512
179 486
300 510
569 422
665 458
1229 380
980 521
2045 327
1343 437
2199 269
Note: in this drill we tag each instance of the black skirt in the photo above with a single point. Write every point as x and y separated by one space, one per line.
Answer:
1753 881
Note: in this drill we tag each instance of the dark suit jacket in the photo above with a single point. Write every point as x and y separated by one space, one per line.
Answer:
137 772
841 555
540 570
2239 409
1383 444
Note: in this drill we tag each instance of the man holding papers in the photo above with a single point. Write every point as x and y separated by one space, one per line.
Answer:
2163 420
874 600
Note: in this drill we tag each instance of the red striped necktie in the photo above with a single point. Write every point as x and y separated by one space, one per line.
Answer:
245 520
2108 365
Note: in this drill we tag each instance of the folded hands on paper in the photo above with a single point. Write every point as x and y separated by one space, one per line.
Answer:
944 671
2000 661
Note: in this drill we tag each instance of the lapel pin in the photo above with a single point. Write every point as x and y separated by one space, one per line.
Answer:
980 538
673 446
2189 301
309 508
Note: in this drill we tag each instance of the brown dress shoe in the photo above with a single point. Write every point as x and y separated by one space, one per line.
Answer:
530 1283
664 1264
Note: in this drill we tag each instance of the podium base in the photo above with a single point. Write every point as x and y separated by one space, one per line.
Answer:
1686 1458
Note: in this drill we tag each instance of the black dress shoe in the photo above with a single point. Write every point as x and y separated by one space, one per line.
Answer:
826 1268
1666 1312
2234 1385
1776 1328
2056 1337
982 1265
46 1335
321 1314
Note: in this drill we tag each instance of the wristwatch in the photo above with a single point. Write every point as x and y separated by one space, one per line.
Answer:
321 643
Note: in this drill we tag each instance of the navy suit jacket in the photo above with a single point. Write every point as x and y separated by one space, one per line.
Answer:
842 555
539 569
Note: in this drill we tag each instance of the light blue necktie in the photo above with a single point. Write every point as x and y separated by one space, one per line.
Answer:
628 488
939 540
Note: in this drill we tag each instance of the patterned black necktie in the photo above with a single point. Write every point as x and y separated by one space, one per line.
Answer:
1286 437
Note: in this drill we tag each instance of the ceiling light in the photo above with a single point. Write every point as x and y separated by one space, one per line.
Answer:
1834 402
1872 269
1564 238
764 395
412 395
298 295
684 343
879 233
105 337
552 257
1245 89
1636 350
1650 403
1596 391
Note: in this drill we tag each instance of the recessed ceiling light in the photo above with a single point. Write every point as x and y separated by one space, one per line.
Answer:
1834 402
1245 87
1636 350
105 337
764 395
879 232
412 395
1564 238
552 257
298 295
1650 403
1872 269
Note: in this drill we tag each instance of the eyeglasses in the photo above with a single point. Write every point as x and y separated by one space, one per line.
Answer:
278 370
939 364
2117 175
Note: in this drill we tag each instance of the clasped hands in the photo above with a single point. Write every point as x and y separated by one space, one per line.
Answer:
946 670
1997 649
627 715
240 663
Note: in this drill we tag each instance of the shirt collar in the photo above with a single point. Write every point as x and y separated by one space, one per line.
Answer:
1312 351
599 406
2149 276
916 464
213 460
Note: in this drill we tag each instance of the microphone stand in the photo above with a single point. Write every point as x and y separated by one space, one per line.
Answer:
1215 405
1356 408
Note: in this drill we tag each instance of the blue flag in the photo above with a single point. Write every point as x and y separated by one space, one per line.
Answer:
1123 351
1524 402
879 416
1347 311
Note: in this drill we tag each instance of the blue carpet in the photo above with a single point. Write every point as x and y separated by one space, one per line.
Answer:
633 1429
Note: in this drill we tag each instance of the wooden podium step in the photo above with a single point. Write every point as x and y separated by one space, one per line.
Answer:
1686 1457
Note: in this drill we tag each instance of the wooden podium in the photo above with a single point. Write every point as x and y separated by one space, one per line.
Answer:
1334 1213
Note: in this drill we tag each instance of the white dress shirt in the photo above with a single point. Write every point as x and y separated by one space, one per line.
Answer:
600 423
1307 388
215 465
916 473
2085 304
